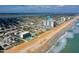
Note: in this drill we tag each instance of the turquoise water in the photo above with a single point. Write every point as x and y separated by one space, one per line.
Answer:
72 45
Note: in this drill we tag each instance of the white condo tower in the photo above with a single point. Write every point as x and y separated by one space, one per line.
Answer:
48 23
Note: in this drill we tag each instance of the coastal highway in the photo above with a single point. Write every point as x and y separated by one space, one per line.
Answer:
40 43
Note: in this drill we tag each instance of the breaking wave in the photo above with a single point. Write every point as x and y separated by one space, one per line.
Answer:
61 42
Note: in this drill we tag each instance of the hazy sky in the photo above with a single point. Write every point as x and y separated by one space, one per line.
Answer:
38 9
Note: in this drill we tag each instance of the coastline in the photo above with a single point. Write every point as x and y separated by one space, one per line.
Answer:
32 48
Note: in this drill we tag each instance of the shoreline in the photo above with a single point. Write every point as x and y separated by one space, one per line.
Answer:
40 46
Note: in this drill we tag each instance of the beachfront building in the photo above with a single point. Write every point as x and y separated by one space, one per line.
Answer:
48 22
63 19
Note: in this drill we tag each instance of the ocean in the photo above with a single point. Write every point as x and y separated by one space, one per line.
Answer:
72 45
68 42
71 41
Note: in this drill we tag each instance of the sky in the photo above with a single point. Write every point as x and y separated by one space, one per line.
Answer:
39 9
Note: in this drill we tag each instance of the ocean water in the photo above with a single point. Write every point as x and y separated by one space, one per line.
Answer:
69 42
61 42
72 45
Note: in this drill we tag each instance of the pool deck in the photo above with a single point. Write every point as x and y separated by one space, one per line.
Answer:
41 43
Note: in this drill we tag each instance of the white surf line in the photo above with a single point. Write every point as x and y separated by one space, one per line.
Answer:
62 45
63 41
59 40
52 47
